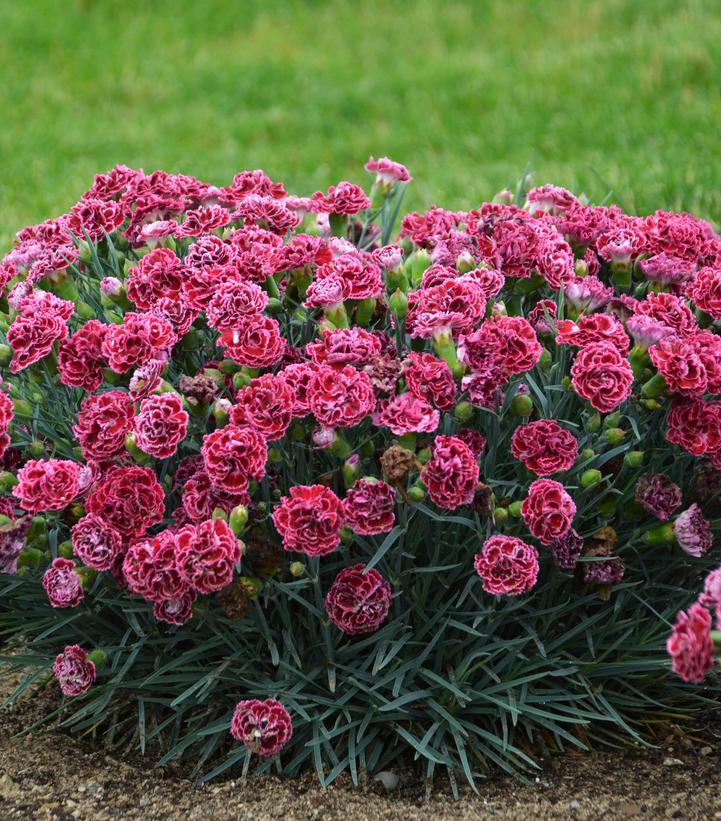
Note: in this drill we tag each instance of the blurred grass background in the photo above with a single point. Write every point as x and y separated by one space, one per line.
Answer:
621 95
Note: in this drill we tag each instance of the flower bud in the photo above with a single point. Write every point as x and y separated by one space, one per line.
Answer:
5 354
241 380
251 586
521 405
36 448
84 251
515 509
655 386
587 454
612 420
98 658
219 513
221 409
591 477
417 493
297 569
87 576
614 436
275 306
500 514
238 519
634 458
7 481
417 264
30 557
275 457
364 311
463 411
593 423
399 304
661 535
424 455
65 549
351 469
134 450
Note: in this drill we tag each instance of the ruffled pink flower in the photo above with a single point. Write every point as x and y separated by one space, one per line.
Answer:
647 331
693 532
234 455
130 499
232 303
96 543
566 550
544 447
369 507
62 584
104 420
150 568
667 270
255 342
587 293
430 379
47 484
265 727
676 360
452 473
309 520
266 405
298 377
705 291
340 397
658 495
361 278
454 306
711 595
387 171
548 510
690 645
32 336
346 198
592 328
669 310
160 425
158 274
602 375
507 565
177 611
80 358
139 339
345 346
206 555
406 413
358 600
74 671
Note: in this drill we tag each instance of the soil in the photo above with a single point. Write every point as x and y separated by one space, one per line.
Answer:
50 775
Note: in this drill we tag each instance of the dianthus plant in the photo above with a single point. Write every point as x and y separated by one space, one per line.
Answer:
294 481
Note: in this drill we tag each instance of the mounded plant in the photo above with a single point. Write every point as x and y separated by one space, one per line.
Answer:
285 486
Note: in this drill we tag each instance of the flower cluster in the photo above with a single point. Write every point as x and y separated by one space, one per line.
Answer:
226 394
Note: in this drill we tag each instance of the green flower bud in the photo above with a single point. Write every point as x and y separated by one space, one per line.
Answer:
593 423
252 586
6 353
591 477
351 470
608 506
515 509
417 264
661 535
36 449
297 569
65 549
521 405
275 457
275 306
655 386
134 450
238 519
98 658
463 411
634 458
399 304
424 455
417 493
228 367
614 436
30 557
219 513
7 481
364 311
500 514
613 420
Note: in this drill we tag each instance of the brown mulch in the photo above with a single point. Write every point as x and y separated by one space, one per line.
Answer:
50 775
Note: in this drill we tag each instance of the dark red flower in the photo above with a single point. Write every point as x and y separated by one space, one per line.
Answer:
358 600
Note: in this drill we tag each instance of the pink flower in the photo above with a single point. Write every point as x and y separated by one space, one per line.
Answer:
96 543
368 507
658 495
682 369
47 484
544 447
345 346
160 425
548 510
233 302
387 171
507 565
80 359
695 425
358 600
74 671
203 283
705 290
407 413
265 727
32 336
360 278
158 274
693 532
266 405
452 473
206 555
567 549
150 568
309 520
511 337
130 499
200 498
602 375
104 420
711 596
591 328
430 378
669 310
234 455
139 339
690 645
454 306
62 584
346 198
177 611
255 342
587 293
340 397
298 378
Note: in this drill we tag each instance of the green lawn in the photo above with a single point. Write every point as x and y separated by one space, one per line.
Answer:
622 95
